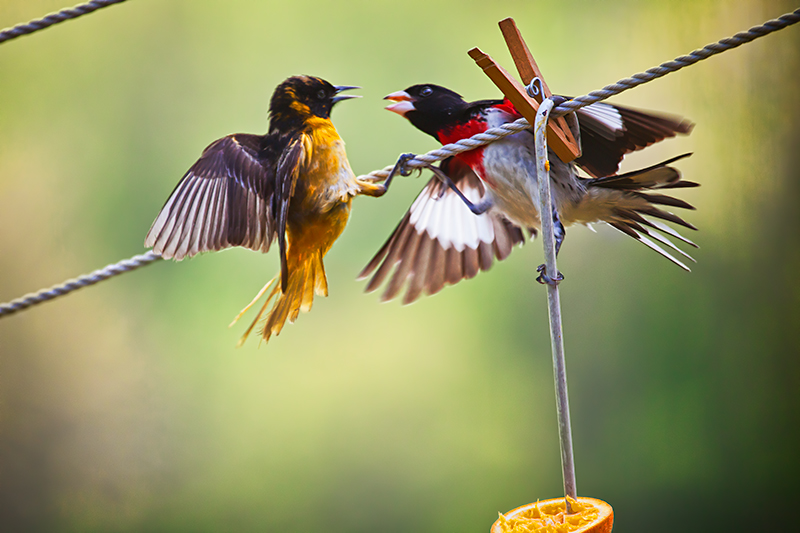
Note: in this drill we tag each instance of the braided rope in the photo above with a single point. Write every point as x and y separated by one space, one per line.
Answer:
71 285
678 63
54 18
570 106
419 161
464 145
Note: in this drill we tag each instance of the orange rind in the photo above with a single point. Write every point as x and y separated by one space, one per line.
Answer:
589 515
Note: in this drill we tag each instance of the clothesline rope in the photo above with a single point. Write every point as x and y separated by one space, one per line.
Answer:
423 160
54 18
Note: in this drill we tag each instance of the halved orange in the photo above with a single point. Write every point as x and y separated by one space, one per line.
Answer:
589 515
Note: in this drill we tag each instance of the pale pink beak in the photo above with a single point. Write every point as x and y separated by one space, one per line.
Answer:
403 105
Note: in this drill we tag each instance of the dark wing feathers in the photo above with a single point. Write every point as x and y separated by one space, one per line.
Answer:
223 200
639 199
608 132
286 179
440 241
649 179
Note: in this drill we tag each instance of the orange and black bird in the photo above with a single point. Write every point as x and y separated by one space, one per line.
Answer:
477 206
293 184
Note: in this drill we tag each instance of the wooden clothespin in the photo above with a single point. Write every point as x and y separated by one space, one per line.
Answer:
559 136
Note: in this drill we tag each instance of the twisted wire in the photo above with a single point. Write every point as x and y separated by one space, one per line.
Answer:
678 63
608 91
419 161
464 145
54 18
71 285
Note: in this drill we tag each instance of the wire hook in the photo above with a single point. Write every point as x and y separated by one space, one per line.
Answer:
534 88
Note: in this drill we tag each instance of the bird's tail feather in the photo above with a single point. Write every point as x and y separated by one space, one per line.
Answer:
306 277
624 201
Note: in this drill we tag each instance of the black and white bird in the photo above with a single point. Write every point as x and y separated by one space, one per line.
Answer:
441 240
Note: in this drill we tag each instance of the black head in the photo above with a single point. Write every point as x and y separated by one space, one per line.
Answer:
301 97
429 107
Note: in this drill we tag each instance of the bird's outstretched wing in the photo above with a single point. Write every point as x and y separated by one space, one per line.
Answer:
608 132
440 241
224 200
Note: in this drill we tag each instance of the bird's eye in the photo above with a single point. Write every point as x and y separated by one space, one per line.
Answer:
425 91
321 94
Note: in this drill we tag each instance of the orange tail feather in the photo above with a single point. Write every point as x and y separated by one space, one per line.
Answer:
306 277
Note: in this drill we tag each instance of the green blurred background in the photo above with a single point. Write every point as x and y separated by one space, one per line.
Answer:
126 407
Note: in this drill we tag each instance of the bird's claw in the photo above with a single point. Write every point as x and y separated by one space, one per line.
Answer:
545 279
401 164
399 168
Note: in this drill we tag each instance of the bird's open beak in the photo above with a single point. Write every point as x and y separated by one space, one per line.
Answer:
403 105
340 97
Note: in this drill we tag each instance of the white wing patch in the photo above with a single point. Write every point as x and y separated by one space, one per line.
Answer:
602 118
447 220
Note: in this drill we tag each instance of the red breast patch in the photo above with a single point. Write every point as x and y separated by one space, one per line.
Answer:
473 158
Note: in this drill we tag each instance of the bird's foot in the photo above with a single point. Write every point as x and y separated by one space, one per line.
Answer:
399 168
401 164
480 208
545 279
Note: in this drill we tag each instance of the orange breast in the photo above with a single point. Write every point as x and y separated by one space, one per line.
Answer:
320 207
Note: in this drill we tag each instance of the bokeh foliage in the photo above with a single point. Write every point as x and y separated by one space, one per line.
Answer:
125 407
